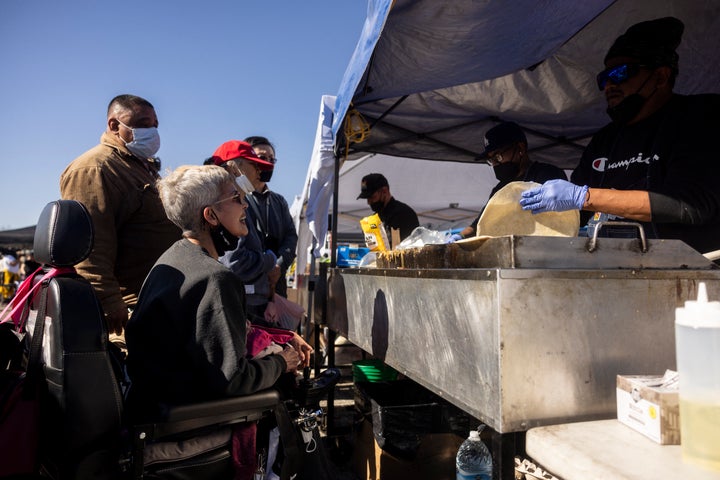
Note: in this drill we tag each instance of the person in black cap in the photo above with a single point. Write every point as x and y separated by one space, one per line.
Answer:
506 150
375 189
657 161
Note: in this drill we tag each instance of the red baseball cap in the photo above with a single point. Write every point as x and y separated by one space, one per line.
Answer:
233 149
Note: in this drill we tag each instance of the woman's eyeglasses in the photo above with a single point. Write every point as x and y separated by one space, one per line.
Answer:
236 197
618 74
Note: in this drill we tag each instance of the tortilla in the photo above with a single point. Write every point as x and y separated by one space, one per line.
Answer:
504 216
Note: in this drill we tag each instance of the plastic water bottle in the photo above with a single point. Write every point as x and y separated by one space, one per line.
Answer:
473 460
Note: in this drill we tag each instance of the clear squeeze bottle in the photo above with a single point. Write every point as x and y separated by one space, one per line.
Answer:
697 342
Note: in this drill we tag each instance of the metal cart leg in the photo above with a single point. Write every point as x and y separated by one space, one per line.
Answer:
504 448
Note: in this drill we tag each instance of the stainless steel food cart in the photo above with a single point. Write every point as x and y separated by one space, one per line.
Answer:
522 331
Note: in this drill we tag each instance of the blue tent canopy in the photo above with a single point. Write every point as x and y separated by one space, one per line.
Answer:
431 77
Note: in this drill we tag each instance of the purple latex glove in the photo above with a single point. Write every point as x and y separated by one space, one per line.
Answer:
554 196
454 238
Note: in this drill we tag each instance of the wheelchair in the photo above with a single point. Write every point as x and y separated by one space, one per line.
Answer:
85 429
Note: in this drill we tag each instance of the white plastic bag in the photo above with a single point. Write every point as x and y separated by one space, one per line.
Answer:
368 260
424 236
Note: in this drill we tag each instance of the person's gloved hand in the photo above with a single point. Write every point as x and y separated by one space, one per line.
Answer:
554 196
454 238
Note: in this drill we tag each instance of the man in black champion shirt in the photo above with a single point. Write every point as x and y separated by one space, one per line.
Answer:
657 162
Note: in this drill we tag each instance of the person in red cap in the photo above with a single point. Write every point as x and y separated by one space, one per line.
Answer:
255 265
239 158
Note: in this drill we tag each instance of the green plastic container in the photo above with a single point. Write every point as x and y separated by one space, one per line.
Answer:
373 370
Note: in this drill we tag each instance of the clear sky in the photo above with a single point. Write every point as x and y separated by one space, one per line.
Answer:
215 70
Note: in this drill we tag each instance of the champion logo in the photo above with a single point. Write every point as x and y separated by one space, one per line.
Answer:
599 164
602 164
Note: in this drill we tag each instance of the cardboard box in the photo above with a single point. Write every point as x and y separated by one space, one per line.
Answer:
651 410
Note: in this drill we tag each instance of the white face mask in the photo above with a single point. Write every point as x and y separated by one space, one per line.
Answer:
146 141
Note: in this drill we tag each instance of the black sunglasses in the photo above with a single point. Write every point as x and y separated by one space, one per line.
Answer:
267 159
618 74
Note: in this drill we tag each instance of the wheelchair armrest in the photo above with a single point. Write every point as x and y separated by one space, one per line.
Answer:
185 418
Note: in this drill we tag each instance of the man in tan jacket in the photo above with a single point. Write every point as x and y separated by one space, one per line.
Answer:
115 180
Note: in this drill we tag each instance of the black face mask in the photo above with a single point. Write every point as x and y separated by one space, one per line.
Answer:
223 241
507 172
266 175
377 206
630 106
627 109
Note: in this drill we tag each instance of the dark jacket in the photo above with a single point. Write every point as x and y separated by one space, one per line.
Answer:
277 229
186 337
251 263
399 215
671 154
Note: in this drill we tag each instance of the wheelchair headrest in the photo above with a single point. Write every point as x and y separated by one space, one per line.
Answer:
64 234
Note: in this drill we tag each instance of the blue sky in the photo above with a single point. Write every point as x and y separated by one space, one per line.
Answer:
214 70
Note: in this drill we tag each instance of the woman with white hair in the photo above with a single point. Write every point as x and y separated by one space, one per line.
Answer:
186 338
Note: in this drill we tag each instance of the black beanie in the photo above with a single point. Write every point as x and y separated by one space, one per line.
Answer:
652 42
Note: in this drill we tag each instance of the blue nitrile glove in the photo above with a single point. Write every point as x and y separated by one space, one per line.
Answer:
272 254
454 238
554 196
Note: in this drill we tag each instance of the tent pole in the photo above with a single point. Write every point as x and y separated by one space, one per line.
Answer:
310 316
334 227
333 263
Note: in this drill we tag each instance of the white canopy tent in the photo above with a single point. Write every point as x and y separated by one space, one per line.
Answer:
444 198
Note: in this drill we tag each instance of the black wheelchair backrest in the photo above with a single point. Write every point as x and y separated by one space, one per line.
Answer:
82 415
64 234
